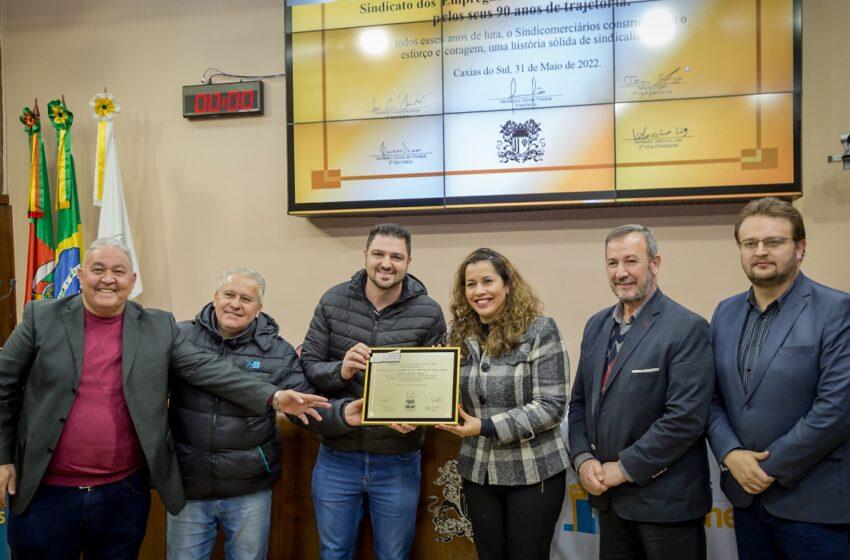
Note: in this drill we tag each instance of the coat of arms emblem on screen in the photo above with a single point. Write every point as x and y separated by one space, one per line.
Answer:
520 142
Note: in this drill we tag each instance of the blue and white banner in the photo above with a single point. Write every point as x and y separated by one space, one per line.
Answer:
577 531
4 548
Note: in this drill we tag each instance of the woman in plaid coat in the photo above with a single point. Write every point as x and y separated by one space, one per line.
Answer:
514 378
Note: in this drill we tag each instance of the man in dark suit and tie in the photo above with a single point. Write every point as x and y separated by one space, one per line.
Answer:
83 420
780 420
638 411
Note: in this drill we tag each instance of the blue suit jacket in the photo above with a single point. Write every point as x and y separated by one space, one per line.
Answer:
798 405
652 415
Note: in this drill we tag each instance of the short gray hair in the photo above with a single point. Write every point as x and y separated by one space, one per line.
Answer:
114 242
624 230
246 273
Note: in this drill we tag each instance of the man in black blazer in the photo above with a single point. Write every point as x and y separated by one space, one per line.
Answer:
83 421
639 408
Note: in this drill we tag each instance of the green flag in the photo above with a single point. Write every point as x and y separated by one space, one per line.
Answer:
69 245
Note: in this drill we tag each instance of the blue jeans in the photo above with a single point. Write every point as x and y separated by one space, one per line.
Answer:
343 483
245 521
763 536
101 522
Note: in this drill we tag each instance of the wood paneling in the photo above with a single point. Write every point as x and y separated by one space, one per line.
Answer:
293 533
7 271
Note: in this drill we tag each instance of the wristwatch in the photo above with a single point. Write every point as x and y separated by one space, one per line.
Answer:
275 405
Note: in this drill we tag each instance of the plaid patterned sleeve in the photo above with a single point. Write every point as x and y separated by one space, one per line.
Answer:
549 382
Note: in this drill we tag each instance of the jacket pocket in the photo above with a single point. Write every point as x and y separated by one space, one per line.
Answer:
645 373
796 349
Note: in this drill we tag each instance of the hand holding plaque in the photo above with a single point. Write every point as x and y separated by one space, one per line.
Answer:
471 425
415 386
355 360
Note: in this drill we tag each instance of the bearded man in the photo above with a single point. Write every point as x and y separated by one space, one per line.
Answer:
639 408
780 419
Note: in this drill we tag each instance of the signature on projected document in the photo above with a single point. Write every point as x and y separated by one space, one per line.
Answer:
661 137
399 154
527 98
401 104
661 86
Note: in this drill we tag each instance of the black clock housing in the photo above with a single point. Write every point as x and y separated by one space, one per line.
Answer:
226 99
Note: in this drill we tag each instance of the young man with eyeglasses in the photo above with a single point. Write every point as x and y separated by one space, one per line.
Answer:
780 420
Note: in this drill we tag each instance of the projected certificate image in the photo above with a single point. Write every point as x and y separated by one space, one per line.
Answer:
672 49
556 150
448 105
367 73
530 61
369 160
705 142
412 385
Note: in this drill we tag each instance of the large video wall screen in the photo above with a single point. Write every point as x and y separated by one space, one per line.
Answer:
457 104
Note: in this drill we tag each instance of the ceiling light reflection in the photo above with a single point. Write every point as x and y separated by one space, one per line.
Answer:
656 27
374 41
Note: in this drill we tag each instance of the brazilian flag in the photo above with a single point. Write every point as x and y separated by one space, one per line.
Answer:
69 231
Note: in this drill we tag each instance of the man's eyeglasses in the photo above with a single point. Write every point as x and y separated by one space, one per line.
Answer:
769 243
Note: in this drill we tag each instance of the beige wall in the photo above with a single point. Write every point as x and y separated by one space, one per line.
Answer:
206 195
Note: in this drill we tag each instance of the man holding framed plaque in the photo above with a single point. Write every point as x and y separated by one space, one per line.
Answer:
380 306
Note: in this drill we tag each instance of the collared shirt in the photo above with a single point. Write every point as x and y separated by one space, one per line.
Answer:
756 329
619 319
616 342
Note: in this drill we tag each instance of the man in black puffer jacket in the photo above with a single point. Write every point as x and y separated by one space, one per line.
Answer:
380 306
229 457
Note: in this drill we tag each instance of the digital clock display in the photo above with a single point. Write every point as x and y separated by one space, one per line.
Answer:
216 100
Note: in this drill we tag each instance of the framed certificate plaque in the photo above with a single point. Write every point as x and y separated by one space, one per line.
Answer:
419 386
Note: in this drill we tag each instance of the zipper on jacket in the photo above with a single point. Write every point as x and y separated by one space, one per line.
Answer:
374 338
265 461
222 352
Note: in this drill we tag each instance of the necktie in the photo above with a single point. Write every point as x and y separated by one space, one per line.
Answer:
614 344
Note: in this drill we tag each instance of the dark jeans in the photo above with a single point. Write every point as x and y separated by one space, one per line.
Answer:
515 522
102 522
620 539
763 536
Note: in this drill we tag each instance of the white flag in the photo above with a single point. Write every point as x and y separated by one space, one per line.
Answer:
114 221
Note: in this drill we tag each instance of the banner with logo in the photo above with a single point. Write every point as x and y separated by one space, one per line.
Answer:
577 530
4 548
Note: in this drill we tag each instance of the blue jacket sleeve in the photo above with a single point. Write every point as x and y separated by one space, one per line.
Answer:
721 435
827 424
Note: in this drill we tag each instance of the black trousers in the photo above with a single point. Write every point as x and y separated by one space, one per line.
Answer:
620 539
515 522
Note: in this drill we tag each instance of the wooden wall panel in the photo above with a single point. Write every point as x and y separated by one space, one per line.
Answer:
293 533
7 271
